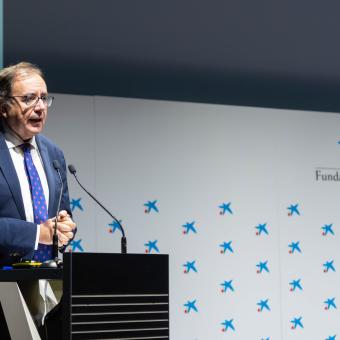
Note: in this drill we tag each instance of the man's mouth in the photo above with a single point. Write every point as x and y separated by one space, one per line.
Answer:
35 120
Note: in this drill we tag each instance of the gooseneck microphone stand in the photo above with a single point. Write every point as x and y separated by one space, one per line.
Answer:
73 171
55 262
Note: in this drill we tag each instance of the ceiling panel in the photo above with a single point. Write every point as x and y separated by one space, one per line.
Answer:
268 53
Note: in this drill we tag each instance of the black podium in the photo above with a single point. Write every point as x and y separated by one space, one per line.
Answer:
115 296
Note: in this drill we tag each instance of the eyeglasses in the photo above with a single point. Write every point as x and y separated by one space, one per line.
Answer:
32 100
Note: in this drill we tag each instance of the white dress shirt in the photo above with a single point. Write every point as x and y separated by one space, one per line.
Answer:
13 143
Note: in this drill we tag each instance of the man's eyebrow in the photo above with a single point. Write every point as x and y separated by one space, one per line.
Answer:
34 94
28 94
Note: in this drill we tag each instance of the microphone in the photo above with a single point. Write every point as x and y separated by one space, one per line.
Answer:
55 262
56 165
73 171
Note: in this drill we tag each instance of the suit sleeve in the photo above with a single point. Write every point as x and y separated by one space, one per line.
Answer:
17 237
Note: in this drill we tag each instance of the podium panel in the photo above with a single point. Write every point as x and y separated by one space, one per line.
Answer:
116 296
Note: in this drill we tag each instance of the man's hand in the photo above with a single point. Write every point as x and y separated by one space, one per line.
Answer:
46 232
65 228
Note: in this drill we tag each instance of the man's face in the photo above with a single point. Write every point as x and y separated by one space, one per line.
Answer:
27 121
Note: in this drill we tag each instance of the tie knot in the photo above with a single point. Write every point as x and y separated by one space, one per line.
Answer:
26 147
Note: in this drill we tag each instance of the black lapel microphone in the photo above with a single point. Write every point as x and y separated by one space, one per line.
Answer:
73 171
56 262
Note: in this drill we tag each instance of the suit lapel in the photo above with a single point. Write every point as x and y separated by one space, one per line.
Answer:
50 175
8 170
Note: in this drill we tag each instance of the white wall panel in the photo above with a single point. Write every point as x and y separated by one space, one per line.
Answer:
192 158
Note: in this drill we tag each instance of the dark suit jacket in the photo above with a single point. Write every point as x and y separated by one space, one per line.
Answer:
17 237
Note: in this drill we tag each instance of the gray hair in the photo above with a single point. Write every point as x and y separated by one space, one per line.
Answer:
10 74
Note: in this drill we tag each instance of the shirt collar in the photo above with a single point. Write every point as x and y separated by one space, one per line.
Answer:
13 140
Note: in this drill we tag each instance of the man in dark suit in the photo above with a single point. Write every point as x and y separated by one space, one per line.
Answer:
27 221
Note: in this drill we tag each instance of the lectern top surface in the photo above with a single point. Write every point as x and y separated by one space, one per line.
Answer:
12 275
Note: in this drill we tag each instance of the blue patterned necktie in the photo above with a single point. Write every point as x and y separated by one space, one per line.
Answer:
44 251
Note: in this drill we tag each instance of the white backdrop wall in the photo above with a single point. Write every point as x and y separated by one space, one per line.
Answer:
191 159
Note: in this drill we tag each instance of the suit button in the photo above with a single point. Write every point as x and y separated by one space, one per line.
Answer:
15 254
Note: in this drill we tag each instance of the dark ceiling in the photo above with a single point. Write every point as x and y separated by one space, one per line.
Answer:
261 53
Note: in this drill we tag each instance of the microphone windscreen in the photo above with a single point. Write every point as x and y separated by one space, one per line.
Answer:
72 169
56 164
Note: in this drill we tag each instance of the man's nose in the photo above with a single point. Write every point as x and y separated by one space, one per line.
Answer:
39 105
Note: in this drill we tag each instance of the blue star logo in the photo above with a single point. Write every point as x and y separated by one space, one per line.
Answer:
152 245
294 247
190 305
296 322
76 245
331 337
327 229
227 285
293 209
329 265
295 284
114 226
263 304
75 203
228 324
190 266
261 228
330 303
263 266
189 227
149 206
226 246
225 207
